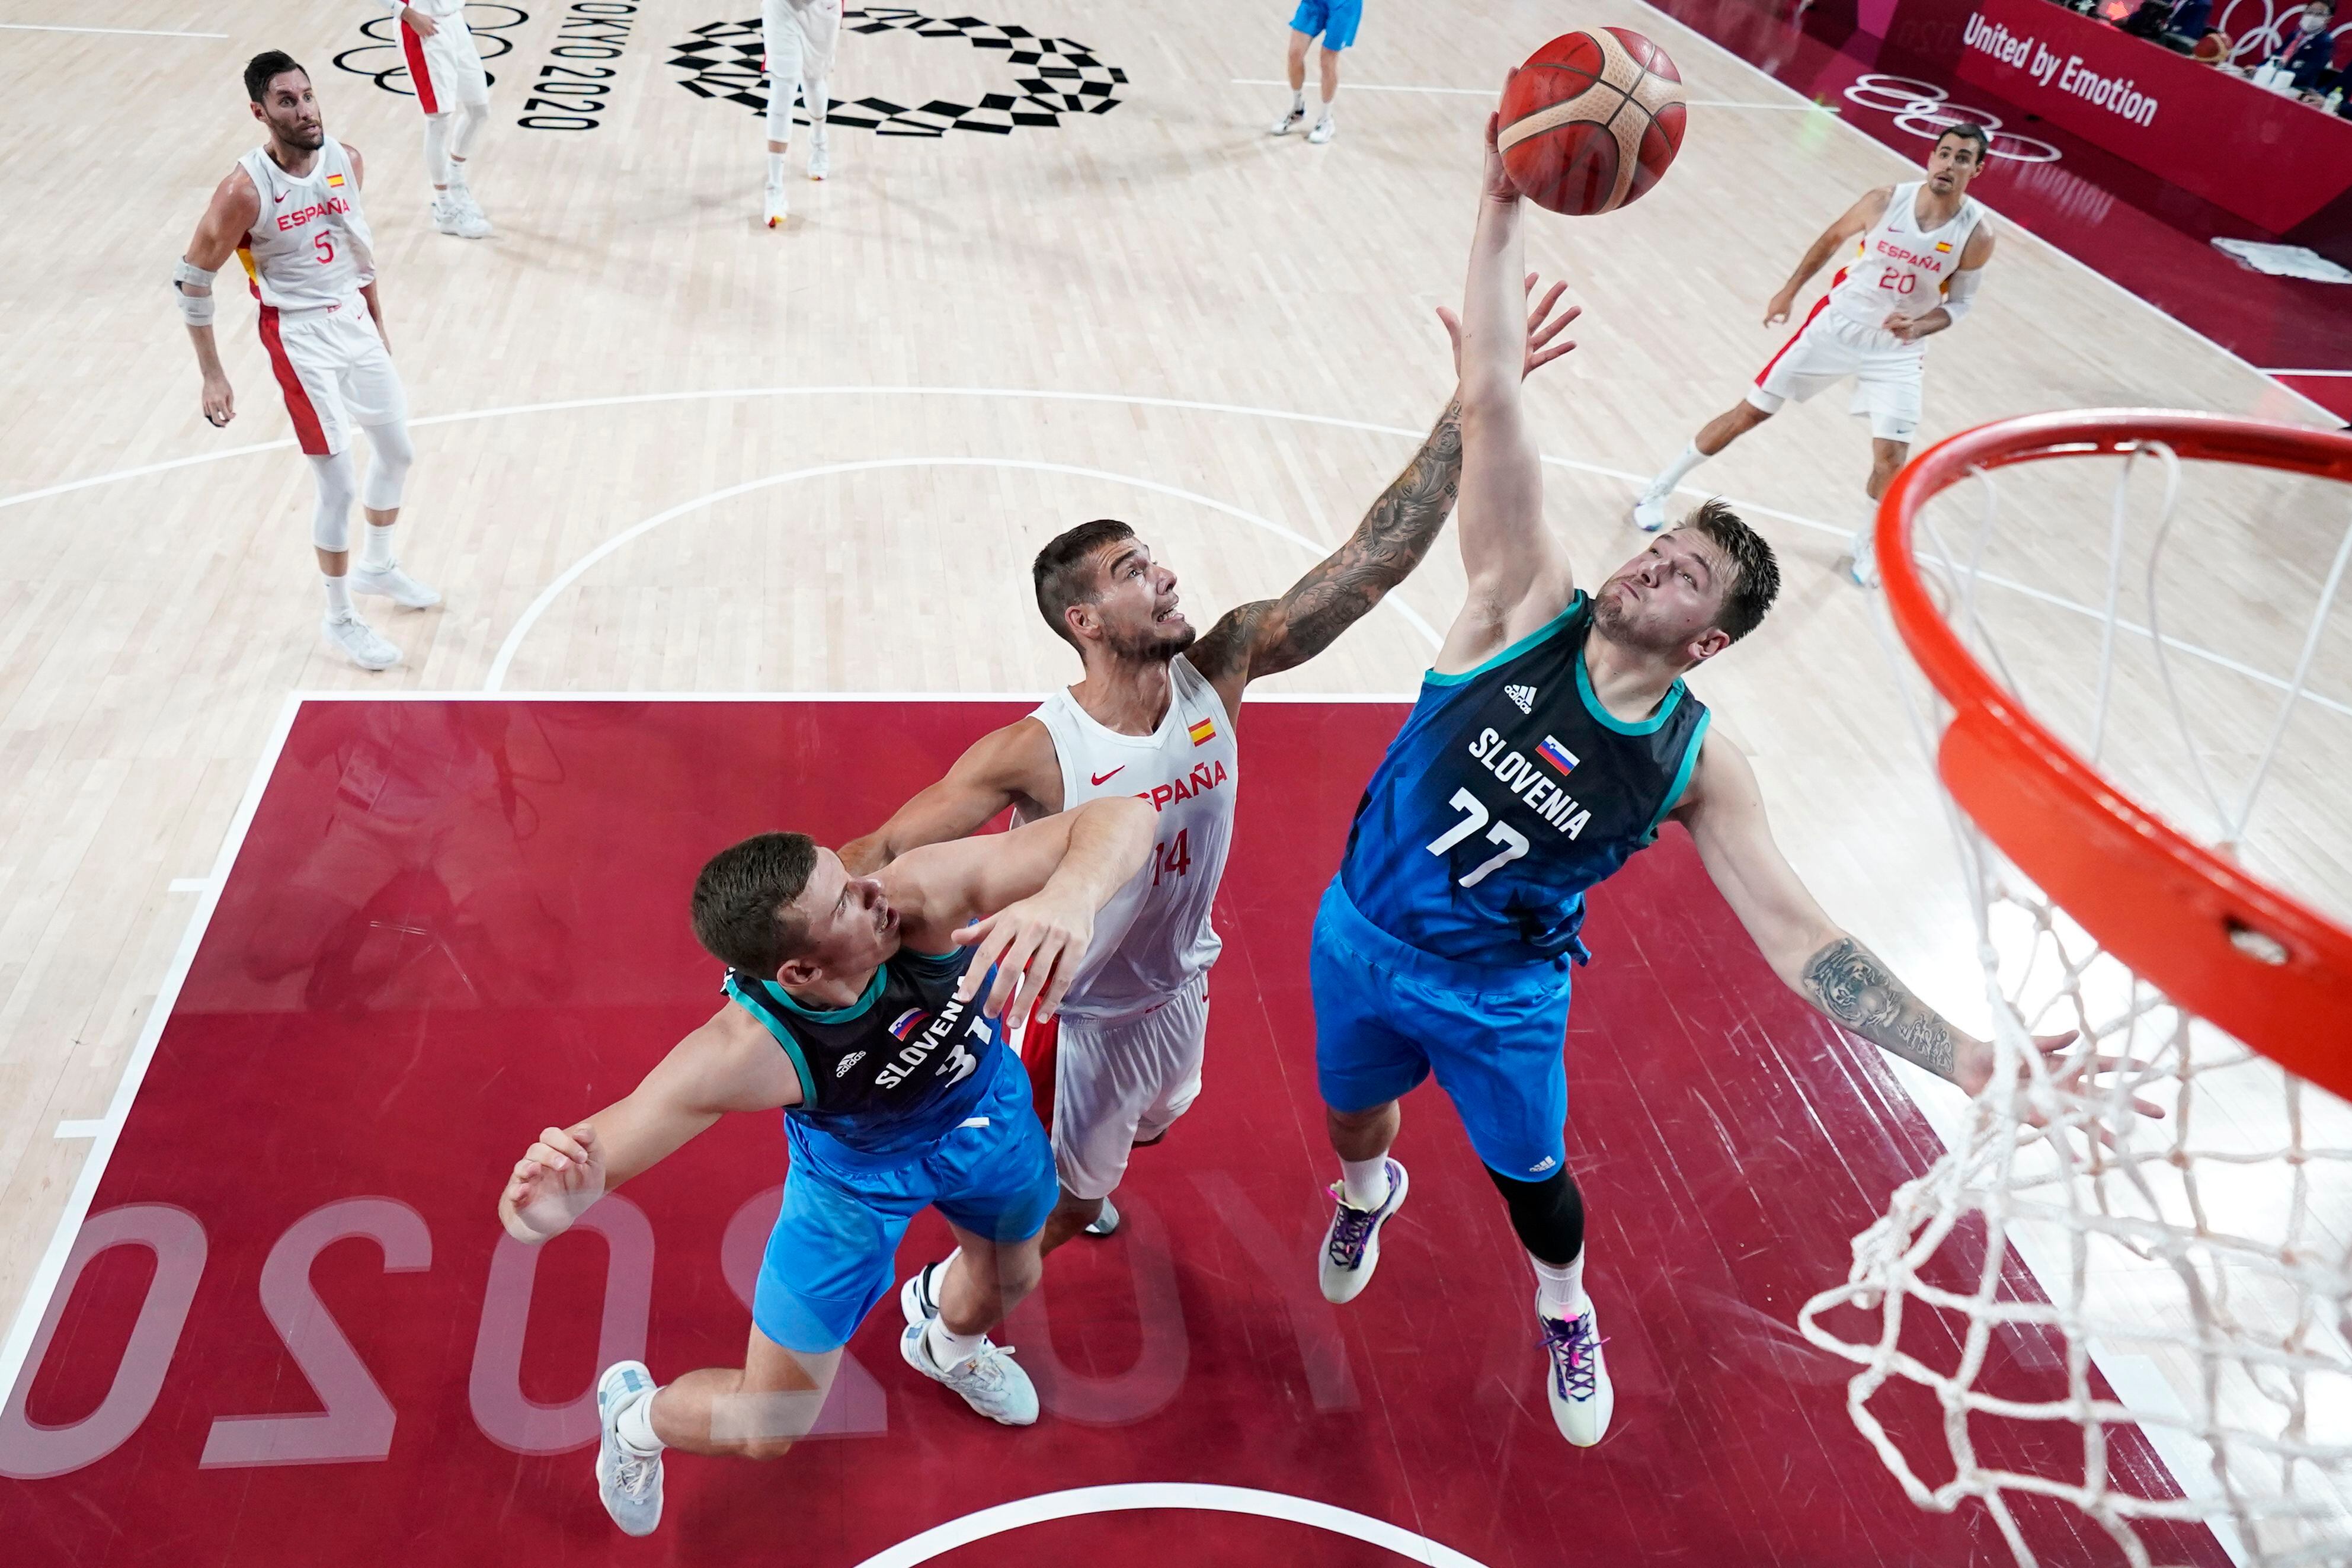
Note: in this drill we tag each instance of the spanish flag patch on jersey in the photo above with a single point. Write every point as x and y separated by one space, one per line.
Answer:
1205 732
1944 244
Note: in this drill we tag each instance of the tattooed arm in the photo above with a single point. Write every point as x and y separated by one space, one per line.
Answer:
1725 813
1272 634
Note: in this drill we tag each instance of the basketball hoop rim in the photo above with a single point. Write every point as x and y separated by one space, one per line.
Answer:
2169 907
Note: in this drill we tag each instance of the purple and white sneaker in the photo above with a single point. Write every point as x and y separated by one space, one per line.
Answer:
1576 1377
1351 1246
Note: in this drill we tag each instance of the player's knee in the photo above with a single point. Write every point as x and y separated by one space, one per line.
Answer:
1548 1216
388 473
766 1447
331 520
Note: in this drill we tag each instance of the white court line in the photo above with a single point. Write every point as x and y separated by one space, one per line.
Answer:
470 695
1331 421
2318 373
132 32
1195 1496
189 884
548 595
2334 420
80 1130
44 1283
1491 92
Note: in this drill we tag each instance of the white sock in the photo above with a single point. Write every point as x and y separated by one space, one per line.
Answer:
338 596
948 1349
1326 109
1559 1291
775 168
457 174
1299 101
1364 1183
635 1427
378 553
1677 471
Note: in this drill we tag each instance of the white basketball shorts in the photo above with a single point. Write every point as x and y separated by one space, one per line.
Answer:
445 68
800 40
1826 350
334 371
1124 1081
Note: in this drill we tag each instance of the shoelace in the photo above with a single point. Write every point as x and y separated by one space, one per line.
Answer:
1572 1345
986 1367
1351 1228
632 1475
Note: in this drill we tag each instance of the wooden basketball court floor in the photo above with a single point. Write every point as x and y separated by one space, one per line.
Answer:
666 455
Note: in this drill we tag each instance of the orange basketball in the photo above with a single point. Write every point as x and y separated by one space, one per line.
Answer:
1591 121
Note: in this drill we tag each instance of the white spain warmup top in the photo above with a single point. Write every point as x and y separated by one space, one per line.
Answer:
1154 937
310 249
1899 266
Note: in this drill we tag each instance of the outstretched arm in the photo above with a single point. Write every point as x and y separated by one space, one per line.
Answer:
1005 767
1024 900
1274 635
1844 980
1850 227
726 1065
235 207
1519 574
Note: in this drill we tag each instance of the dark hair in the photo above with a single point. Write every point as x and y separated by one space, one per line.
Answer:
1968 130
265 68
1064 571
740 897
1755 574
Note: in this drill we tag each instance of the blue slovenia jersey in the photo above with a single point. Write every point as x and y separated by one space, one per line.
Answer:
1509 791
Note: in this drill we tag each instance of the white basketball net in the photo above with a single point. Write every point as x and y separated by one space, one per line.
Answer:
2200 1258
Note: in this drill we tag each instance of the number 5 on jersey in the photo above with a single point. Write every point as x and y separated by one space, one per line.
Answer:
1475 816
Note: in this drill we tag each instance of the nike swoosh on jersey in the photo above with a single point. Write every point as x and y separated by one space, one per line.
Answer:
283 195
1099 779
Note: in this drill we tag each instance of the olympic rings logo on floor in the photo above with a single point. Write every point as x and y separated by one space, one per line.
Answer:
487 20
1055 76
1923 109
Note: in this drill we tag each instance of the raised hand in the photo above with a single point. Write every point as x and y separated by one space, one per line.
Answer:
1035 946
1973 1071
1542 328
1494 183
555 1182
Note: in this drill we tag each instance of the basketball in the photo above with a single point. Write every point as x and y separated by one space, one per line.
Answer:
1591 121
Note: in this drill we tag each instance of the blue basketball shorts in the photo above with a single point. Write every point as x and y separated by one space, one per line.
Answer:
1388 1016
1336 20
831 1256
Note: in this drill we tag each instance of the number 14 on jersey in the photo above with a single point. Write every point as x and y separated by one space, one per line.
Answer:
1173 858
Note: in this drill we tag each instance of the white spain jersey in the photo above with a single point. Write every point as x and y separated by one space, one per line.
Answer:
1900 267
1155 935
310 248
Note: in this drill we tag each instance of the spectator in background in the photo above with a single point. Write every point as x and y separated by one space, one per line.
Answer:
2175 23
2308 54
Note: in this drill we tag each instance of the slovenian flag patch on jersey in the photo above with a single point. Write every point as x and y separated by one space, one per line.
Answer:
337 180
1558 755
1205 732
906 1023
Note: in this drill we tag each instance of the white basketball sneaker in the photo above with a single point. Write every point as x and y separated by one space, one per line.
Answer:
1325 128
629 1485
389 581
359 643
451 216
1290 121
1351 1246
987 1379
1576 1377
1862 566
1650 513
469 211
820 155
779 207
1107 1221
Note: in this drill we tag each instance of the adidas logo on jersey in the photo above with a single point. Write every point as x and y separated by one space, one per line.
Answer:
1525 695
1546 1164
851 1060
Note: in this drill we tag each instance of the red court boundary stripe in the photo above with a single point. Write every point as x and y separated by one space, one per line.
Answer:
308 433
1795 336
413 46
